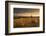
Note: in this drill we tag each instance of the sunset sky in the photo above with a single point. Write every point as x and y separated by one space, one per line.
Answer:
26 12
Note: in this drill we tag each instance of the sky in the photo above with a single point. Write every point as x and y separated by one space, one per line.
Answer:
26 12
23 10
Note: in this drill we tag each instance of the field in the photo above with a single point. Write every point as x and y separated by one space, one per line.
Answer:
20 22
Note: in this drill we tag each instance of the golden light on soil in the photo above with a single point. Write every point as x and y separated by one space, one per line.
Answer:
26 22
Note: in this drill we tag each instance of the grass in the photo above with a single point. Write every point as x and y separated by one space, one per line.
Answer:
26 22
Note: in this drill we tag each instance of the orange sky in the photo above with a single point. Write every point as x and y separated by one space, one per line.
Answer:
33 13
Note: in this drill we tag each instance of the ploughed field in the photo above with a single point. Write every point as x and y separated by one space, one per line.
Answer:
20 22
